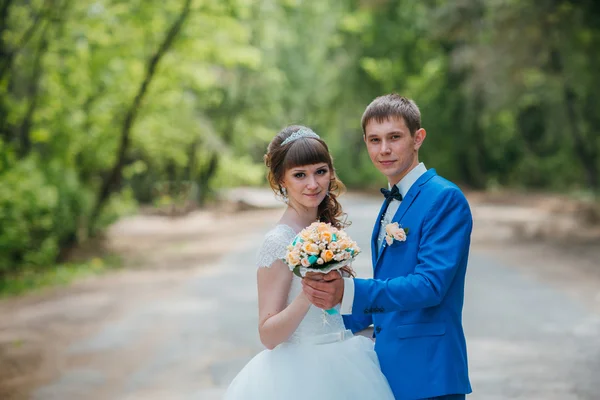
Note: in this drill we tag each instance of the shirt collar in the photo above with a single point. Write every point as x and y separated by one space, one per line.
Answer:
409 179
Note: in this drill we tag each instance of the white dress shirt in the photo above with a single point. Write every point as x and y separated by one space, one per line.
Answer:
403 186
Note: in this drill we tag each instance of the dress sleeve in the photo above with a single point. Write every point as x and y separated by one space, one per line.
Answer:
273 248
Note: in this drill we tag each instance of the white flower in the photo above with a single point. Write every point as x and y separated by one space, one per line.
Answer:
394 232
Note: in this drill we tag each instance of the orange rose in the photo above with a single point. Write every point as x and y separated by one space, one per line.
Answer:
311 248
323 228
344 244
293 258
327 255
326 236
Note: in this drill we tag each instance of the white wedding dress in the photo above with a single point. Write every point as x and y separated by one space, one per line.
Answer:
320 361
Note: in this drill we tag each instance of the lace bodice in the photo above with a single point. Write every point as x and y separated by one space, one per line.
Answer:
316 322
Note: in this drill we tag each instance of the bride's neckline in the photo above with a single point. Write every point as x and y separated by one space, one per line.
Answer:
288 227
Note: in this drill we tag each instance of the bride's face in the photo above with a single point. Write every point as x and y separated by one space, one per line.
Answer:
307 185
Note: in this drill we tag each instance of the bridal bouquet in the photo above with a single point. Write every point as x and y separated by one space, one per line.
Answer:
320 248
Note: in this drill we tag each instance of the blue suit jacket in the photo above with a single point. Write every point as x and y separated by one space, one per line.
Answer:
416 298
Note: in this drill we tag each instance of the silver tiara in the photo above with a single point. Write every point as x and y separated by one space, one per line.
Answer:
300 133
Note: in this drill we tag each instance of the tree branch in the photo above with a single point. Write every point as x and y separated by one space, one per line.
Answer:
114 176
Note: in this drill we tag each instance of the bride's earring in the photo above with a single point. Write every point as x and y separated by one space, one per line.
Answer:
286 200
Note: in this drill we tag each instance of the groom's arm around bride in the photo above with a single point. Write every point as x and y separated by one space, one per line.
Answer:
420 246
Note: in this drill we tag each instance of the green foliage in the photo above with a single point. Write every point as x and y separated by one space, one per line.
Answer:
42 211
507 92
27 205
238 170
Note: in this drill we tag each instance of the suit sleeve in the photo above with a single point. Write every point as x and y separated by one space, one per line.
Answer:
443 248
357 322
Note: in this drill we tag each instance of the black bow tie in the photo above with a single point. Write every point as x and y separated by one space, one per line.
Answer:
392 194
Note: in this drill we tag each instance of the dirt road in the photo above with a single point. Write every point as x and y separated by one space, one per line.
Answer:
180 320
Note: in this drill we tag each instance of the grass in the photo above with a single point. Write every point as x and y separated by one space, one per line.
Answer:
29 280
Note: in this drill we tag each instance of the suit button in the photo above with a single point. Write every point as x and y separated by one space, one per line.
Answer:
366 311
378 329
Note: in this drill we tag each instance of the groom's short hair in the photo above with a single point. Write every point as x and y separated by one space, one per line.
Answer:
393 106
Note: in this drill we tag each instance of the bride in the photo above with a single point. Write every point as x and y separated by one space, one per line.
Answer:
310 354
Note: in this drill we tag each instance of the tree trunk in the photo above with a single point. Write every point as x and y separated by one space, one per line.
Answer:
4 52
191 164
3 55
8 55
586 151
471 152
205 177
111 181
33 94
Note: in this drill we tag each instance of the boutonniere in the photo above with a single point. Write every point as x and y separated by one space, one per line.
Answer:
395 232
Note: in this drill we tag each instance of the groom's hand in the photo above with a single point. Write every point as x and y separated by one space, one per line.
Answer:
315 276
325 293
318 276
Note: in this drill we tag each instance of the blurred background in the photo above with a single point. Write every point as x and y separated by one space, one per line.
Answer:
110 108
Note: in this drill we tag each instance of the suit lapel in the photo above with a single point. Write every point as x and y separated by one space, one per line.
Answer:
374 249
408 201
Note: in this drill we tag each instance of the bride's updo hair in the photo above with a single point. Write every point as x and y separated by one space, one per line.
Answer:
305 150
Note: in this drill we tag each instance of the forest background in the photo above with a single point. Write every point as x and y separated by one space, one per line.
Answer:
108 105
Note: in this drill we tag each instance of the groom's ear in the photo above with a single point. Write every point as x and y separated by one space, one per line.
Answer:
419 137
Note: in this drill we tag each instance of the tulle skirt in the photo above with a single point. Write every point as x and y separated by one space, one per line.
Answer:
342 369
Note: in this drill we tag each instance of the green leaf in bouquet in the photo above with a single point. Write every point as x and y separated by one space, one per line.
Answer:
405 230
296 272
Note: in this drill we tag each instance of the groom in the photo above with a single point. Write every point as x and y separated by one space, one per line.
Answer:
416 297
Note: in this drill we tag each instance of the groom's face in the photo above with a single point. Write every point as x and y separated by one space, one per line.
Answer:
393 150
